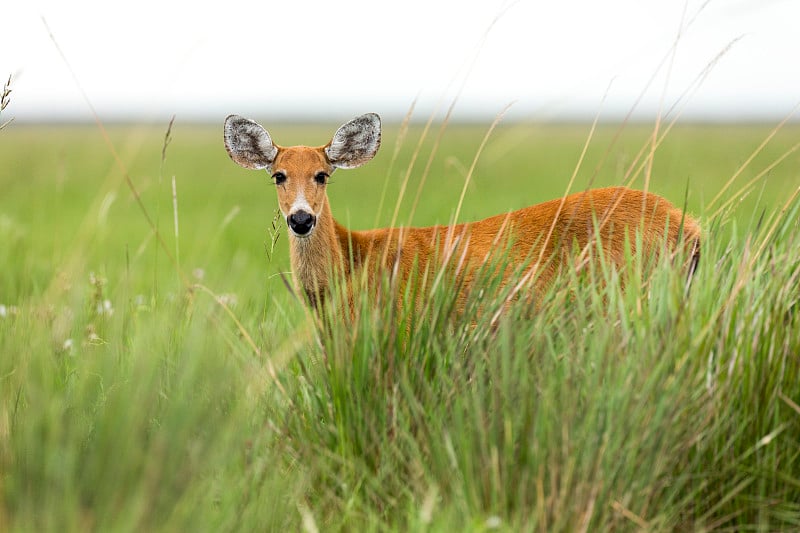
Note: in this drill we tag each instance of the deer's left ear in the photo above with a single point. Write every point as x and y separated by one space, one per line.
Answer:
356 142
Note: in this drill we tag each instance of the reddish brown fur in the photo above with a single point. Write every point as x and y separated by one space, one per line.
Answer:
617 211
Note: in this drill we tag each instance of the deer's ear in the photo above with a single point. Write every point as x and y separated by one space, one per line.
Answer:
248 143
356 142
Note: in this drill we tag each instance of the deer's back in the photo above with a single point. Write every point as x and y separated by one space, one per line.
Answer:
545 234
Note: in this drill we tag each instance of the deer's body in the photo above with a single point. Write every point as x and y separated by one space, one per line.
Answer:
546 236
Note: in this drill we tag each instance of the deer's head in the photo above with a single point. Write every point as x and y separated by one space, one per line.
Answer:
301 173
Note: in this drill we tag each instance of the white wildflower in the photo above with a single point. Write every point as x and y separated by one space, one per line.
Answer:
493 522
199 274
105 308
92 337
228 299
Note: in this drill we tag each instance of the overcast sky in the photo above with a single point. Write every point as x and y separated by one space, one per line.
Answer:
554 59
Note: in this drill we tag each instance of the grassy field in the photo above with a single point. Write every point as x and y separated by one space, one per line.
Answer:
163 379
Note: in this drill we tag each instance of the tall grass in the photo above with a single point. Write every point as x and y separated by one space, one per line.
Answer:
123 407
608 409
5 99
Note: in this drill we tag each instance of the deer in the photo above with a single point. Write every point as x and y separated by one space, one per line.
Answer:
550 236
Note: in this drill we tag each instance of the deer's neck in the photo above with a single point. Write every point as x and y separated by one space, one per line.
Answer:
318 257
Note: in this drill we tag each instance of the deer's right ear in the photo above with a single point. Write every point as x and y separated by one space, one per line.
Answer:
248 143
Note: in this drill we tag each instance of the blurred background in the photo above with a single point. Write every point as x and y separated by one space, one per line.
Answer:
568 60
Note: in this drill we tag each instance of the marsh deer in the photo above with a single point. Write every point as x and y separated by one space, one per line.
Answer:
549 235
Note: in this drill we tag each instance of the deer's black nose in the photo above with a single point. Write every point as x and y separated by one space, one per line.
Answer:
302 223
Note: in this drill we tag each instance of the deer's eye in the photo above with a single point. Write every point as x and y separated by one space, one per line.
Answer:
279 178
320 177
